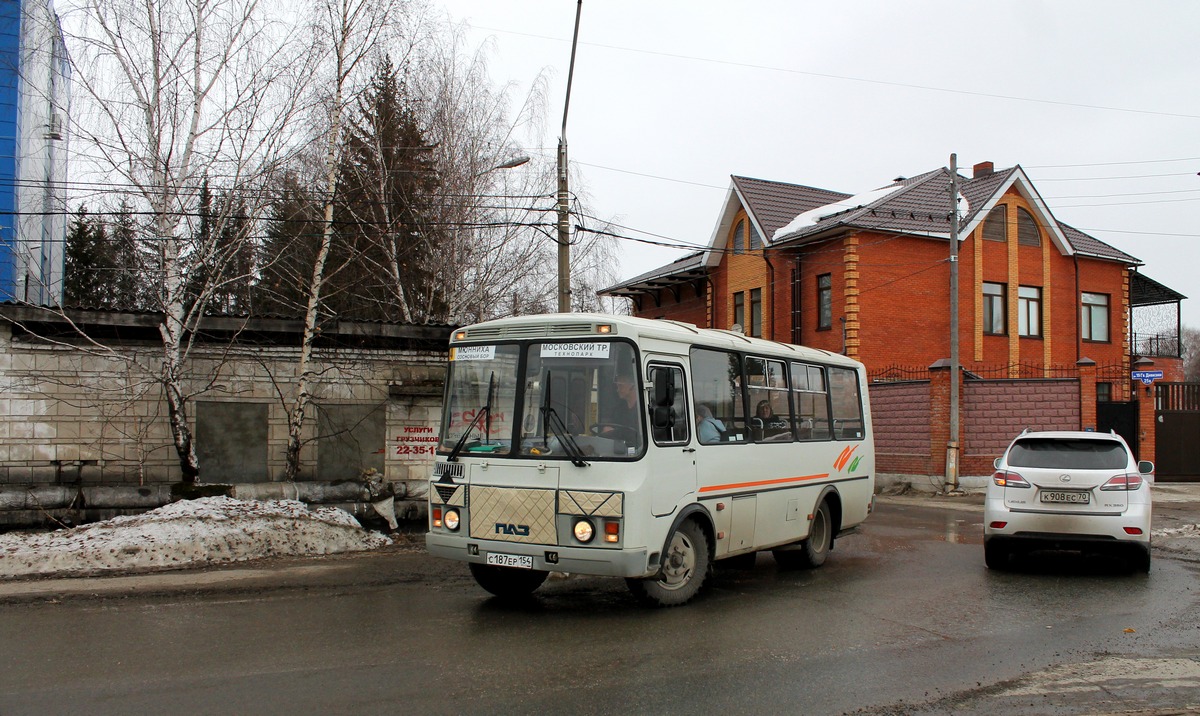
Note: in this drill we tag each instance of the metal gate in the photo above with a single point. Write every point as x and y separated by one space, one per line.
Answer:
1121 417
1177 418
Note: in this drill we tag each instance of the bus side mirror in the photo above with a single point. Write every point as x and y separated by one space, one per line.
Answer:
663 418
664 389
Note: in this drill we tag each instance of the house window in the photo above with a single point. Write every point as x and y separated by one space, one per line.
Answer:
824 301
995 227
739 310
755 239
994 313
1095 317
756 312
1104 392
1029 311
1027 229
739 240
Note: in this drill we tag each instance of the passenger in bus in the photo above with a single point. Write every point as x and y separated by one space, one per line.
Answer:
708 428
767 425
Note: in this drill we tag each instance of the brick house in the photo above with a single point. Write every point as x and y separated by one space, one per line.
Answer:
868 275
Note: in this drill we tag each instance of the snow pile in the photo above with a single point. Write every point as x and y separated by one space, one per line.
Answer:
1181 531
813 216
204 531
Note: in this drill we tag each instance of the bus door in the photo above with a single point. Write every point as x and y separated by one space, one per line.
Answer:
671 464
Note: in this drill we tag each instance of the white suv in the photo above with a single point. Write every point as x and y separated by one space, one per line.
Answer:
1081 491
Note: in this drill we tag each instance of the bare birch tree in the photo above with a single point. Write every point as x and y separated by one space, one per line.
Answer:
175 92
345 34
500 251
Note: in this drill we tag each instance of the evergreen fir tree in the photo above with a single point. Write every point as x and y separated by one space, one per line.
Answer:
85 262
388 178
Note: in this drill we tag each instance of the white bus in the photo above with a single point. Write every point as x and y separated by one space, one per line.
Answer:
644 449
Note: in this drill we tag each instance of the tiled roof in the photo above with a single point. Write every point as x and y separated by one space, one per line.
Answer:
774 203
682 270
979 190
919 205
1091 246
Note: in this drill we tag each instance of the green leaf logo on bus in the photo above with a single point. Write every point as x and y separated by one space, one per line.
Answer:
844 458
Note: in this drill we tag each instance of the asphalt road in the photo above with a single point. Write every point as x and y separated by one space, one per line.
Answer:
903 618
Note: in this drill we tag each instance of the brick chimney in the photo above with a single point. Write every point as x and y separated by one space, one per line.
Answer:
982 169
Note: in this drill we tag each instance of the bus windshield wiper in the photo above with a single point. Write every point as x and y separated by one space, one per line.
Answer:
551 421
485 410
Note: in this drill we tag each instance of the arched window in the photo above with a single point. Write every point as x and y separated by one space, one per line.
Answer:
1027 229
739 237
995 226
755 239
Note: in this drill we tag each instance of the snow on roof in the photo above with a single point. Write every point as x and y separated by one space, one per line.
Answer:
812 216
203 531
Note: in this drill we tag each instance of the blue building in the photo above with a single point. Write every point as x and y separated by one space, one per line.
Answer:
35 77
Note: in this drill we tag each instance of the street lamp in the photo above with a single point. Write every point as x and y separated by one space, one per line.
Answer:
514 162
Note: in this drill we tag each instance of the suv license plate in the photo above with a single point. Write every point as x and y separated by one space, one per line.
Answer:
519 561
1078 498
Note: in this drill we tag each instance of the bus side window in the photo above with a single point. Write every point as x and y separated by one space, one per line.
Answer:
717 385
847 404
812 402
678 431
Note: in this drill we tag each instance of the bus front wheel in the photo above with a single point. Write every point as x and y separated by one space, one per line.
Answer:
507 582
813 551
685 566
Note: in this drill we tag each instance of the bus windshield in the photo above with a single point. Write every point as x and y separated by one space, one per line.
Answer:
578 401
585 394
480 405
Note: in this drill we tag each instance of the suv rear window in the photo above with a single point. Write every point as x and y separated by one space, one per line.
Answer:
1057 453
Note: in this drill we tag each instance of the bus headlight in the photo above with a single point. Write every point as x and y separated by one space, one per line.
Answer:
584 531
451 519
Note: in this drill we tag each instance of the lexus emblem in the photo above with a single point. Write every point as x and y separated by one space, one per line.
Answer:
1064 478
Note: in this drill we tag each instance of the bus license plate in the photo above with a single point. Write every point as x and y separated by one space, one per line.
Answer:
1075 498
519 561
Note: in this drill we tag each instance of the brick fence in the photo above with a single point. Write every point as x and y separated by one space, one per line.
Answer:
911 418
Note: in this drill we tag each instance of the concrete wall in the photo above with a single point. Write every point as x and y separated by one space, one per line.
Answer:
71 416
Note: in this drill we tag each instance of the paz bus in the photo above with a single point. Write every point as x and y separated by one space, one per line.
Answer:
644 449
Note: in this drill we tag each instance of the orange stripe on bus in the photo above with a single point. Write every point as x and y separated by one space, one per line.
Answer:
844 457
760 483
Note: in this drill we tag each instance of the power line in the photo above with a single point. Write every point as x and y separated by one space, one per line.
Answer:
1113 164
848 78
650 176
1137 193
1132 176
1126 203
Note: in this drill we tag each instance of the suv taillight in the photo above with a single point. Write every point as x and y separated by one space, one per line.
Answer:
1007 478
1128 481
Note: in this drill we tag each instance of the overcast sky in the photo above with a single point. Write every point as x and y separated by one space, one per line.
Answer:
1097 100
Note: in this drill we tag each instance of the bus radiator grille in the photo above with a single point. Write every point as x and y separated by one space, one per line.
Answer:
513 514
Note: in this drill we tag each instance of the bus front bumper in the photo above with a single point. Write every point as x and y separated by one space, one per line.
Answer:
549 558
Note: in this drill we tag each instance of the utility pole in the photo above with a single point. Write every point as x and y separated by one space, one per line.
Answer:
952 447
564 196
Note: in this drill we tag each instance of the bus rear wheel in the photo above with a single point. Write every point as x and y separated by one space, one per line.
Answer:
814 550
507 582
685 567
